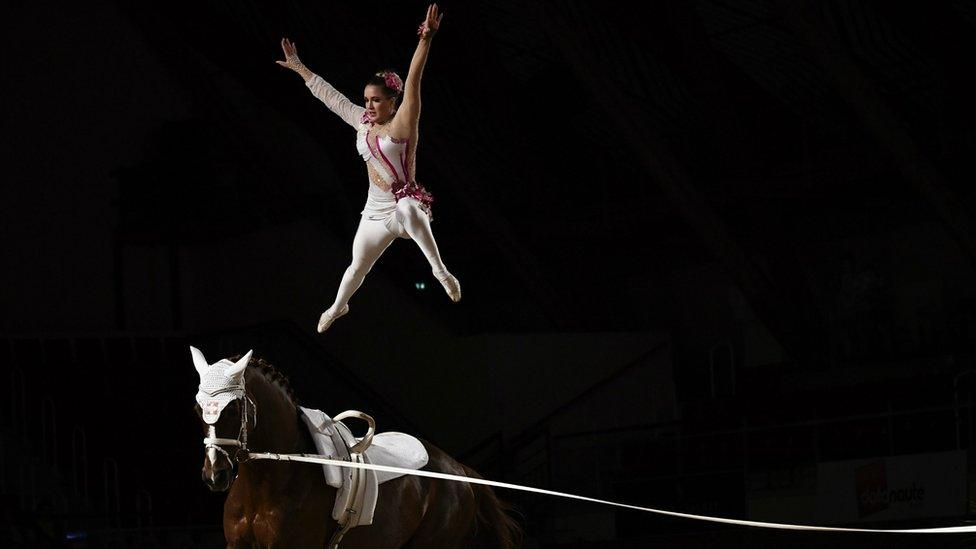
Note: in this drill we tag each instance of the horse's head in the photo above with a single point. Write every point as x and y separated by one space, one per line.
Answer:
227 413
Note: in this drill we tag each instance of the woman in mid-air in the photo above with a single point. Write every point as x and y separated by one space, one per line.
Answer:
387 132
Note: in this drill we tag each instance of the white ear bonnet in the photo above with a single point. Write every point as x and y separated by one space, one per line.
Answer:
220 383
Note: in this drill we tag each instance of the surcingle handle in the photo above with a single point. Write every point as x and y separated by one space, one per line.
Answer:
360 446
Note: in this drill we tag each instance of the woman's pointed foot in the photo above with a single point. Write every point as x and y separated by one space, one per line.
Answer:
452 287
328 317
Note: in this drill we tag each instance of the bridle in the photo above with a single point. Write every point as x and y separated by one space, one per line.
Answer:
212 441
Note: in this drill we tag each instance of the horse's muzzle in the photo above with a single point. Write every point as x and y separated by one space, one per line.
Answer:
218 480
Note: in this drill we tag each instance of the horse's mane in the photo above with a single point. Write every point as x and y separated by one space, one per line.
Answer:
271 375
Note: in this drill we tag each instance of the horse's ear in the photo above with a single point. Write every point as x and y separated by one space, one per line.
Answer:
199 362
241 363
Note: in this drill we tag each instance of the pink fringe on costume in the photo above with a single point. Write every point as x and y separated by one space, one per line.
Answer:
416 191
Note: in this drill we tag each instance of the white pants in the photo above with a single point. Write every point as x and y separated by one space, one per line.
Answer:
372 239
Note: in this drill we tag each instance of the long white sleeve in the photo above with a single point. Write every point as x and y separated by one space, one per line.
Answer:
348 111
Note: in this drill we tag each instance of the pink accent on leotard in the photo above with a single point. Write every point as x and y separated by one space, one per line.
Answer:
396 176
399 187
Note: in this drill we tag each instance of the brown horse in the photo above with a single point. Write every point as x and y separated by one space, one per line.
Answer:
281 504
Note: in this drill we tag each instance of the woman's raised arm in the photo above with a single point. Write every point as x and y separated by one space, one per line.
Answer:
408 113
349 112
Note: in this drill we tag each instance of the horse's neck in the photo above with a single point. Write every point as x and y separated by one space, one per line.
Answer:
277 428
273 490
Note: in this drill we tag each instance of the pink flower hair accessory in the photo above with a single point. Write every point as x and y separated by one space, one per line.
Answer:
393 81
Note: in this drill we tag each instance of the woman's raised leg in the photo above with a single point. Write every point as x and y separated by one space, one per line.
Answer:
372 239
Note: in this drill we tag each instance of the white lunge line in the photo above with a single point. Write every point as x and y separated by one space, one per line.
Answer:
311 458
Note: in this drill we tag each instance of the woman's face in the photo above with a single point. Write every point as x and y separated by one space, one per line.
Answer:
379 108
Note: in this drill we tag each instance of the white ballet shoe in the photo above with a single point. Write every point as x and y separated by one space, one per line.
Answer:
452 287
328 317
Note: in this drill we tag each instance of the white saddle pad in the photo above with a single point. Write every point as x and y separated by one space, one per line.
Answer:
392 448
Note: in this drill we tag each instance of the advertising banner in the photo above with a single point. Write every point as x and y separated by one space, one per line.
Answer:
892 488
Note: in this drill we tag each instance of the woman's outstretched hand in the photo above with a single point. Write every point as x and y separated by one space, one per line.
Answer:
291 57
431 23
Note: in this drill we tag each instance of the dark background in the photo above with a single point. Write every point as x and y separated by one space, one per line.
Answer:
706 247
